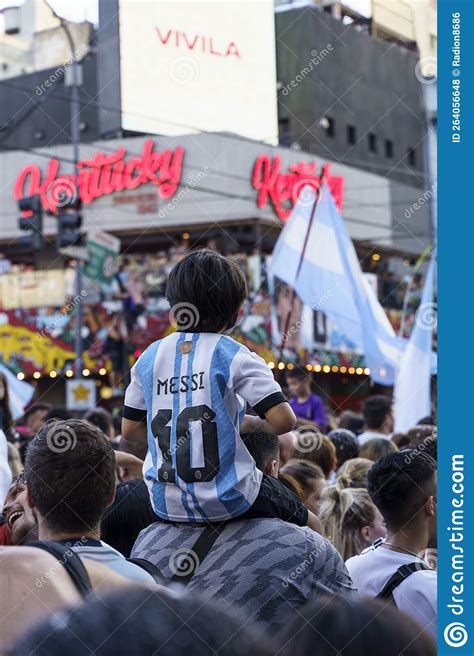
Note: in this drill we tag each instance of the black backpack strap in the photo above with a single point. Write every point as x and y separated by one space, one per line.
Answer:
70 561
400 575
193 559
150 568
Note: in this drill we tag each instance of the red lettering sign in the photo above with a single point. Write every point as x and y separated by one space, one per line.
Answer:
283 189
104 174
197 42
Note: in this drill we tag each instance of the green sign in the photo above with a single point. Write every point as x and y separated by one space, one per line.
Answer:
102 250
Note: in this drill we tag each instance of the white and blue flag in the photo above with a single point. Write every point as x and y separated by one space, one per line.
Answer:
192 390
19 392
331 280
412 393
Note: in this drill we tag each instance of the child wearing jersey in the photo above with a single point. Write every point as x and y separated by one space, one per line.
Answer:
188 396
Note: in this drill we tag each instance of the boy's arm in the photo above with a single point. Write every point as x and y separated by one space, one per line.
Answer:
133 431
278 420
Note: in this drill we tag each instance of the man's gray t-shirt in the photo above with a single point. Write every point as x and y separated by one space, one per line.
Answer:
264 567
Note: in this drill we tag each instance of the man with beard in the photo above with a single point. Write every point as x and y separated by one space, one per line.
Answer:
20 519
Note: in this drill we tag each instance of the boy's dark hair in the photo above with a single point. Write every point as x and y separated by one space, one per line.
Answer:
376 410
205 291
400 483
346 443
299 373
129 514
70 474
101 418
263 447
351 421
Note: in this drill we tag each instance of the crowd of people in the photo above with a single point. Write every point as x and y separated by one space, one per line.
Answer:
201 525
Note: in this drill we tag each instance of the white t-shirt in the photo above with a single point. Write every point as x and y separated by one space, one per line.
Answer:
416 596
192 389
372 435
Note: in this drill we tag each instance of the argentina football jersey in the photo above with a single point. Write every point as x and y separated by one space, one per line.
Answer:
192 390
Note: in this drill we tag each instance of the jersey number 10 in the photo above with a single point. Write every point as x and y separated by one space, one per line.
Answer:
182 449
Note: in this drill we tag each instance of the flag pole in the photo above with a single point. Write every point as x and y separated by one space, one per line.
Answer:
324 170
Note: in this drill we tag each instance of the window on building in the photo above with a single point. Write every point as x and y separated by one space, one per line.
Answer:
388 148
372 142
411 154
351 134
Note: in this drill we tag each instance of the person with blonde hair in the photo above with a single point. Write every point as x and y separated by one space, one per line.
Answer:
349 520
313 446
377 448
353 473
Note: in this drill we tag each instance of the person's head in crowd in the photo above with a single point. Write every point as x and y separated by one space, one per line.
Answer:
318 449
311 479
351 421
136 621
287 447
298 382
58 413
431 446
403 487
349 519
377 448
346 444
414 437
378 415
19 516
6 419
129 514
265 450
353 473
70 474
353 628
429 420
102 419
212 285
35 415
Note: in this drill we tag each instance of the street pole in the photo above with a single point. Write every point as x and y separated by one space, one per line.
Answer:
76 140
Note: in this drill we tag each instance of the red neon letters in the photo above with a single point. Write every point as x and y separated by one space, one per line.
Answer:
283 189
104 174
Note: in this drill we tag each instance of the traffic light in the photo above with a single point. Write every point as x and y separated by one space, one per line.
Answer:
69 220
31 220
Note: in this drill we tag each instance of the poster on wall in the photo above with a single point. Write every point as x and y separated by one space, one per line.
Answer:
209 66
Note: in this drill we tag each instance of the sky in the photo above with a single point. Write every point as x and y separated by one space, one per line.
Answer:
79 10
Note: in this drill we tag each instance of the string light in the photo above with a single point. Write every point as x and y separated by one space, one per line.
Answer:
271 365
37 375
69 373
52 374
85 372
359 371
367 371
335 369
326 368
375 257
281 365
317 367
290 365
309 367
102 371
20 375
352 370
343 370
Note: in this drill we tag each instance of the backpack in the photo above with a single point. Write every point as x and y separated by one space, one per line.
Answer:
402 573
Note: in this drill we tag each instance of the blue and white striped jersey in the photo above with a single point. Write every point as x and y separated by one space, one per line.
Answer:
192 389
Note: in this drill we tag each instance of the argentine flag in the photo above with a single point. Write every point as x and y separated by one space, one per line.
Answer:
19 392
412 393
331 280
